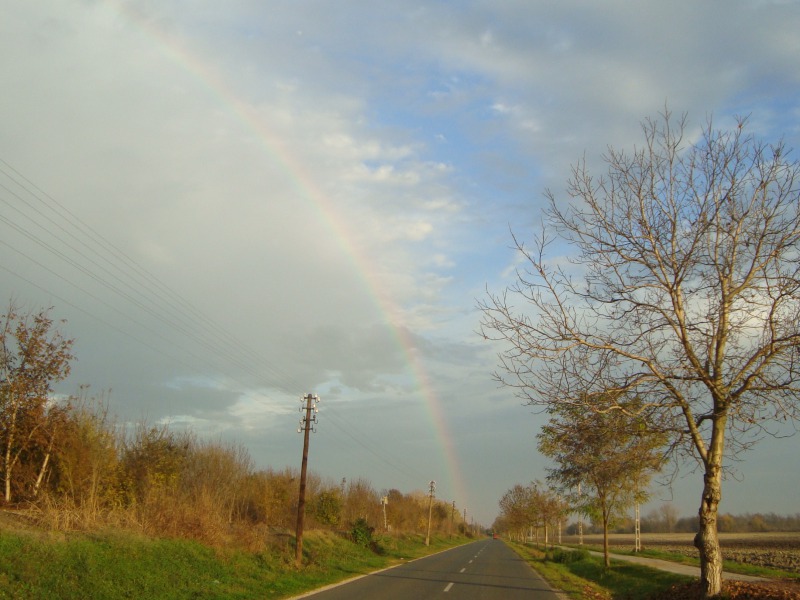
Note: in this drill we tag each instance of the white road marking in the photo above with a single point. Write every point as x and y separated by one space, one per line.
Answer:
449 585
462 570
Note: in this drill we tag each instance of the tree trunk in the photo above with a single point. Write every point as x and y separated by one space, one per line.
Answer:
606 512
45 462
706 540
7 493
42 472
8 466
8 458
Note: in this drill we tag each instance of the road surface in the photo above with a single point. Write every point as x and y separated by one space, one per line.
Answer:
486 569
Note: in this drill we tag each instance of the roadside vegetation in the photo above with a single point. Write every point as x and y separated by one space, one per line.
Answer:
582 575
123 564
95 508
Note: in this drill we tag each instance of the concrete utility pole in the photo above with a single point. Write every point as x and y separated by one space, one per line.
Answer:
385 501
307 422
430 512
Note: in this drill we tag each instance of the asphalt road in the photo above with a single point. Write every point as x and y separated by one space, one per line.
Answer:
486 569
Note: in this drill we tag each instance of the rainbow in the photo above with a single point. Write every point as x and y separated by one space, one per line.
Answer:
305 183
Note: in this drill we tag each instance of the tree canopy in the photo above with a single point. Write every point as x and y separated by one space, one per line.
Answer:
610 455
34 355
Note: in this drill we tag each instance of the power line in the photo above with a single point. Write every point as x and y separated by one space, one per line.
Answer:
143 290
91 254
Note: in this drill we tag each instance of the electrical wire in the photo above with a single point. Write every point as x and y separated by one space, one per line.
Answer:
91 254
162 303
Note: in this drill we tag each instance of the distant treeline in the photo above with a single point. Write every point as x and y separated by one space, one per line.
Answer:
664 521
728 523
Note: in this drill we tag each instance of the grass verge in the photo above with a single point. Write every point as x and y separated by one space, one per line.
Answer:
581 575
125 565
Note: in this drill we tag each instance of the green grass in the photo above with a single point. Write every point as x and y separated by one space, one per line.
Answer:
124 565
580 575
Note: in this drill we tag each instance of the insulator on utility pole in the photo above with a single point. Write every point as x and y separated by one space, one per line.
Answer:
307 425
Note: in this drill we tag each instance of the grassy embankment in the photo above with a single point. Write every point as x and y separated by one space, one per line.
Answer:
581 575
125 565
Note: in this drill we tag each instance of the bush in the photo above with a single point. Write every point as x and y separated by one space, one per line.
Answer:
566 557
361 533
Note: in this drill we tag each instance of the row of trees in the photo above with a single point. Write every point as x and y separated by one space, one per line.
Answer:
70 461
666 290
603 464
527 510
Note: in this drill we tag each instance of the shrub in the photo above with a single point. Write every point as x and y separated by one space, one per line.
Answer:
566 557
361 533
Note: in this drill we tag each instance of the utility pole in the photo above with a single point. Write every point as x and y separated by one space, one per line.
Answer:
452 517
430 512
385 501
307 422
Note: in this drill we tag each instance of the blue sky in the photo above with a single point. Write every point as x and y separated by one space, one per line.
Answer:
322 190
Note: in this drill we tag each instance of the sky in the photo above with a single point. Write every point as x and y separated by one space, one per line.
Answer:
237 203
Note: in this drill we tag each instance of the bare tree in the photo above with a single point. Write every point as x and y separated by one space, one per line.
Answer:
669 516
683 289
33 355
